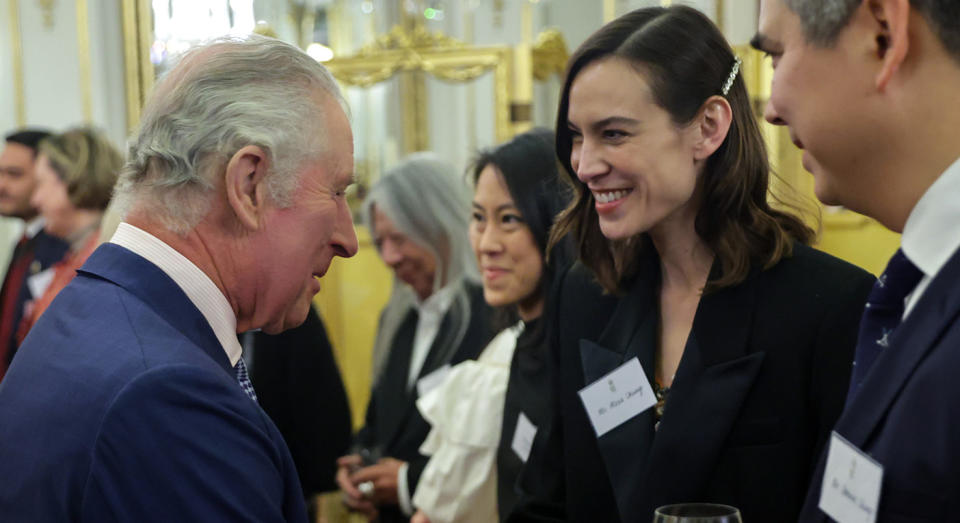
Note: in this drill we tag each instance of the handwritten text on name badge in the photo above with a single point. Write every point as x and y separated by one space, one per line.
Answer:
617 397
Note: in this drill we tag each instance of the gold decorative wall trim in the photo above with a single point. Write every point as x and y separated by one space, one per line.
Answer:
720 16
403 50
609 10
83 55
137 40
16 48
549 54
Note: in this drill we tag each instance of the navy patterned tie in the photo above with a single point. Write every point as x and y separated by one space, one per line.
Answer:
244 380
882 314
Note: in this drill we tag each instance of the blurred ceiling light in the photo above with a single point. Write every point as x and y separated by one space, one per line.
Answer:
320 52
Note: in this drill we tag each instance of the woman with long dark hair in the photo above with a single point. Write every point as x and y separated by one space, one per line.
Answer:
719 370
486 409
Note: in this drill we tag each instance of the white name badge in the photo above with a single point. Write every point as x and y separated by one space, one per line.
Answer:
617 397
523 437
432 380
851 483
39 282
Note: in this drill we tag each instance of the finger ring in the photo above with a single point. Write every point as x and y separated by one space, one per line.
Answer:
366 488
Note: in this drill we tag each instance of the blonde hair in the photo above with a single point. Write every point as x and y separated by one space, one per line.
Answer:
86 162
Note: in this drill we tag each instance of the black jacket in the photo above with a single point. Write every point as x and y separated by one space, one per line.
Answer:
762 380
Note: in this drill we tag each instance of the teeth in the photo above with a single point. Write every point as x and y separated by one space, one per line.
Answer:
609 196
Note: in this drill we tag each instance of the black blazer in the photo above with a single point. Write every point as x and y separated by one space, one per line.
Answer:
41 251
393 423
299 386
760 384
906 414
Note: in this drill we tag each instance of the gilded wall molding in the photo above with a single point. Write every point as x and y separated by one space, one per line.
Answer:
549 54
47 8
83 56
418 50
138 69
16 48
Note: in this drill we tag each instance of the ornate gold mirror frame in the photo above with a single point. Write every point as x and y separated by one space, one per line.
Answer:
411 49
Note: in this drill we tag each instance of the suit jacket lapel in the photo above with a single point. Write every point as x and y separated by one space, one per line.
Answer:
631 332
441 350
937 309
155 288
713 379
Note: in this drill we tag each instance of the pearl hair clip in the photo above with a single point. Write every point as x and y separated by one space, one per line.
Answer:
732 77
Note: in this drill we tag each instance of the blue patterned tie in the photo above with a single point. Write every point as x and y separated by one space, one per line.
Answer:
244 380
882 314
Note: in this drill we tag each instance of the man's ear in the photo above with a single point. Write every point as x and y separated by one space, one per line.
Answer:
891 18
712 125
244 184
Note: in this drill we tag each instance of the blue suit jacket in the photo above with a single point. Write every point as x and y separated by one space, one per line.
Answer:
122 406
906 414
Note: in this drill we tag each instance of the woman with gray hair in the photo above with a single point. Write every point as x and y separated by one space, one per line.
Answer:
417 214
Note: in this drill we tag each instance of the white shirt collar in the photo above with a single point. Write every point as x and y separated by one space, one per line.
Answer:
34 226
931 235
198 287
438 302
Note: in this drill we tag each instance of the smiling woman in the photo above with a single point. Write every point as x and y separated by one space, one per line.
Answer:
720 309
476 457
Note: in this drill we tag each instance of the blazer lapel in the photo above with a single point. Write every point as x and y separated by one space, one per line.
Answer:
631 332
155 288
936 311
441 351
713 379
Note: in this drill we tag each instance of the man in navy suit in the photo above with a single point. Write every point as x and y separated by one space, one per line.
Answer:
868 88
36 250
129 399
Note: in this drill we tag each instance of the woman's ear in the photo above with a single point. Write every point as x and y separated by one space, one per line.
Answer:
244 185
711 126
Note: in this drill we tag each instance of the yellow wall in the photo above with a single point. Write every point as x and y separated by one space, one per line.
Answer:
843 233
352 294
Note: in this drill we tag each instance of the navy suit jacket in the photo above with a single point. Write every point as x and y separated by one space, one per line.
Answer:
122 406
906 414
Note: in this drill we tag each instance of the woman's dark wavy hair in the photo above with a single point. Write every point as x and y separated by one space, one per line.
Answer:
686 61
528 166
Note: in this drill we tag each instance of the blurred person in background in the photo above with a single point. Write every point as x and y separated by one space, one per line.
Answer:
76 172
487 411
436 317
35 251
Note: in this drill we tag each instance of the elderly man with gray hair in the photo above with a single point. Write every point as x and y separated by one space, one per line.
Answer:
129 400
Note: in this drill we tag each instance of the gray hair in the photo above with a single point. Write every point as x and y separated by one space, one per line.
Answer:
822 20
222 96
429 203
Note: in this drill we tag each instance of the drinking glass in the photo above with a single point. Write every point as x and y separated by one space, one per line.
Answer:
697 513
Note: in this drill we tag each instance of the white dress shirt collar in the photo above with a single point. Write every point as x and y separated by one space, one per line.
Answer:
198 287
931 236
431 312
33 227
437 302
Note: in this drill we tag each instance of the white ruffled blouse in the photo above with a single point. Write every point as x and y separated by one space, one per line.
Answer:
459 482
